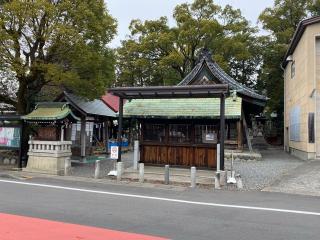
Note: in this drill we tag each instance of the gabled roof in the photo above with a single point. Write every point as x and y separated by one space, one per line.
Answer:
297 36
95 107
50 111
182 108
112 101
205 63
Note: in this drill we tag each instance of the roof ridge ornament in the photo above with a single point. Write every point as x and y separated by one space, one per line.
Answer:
205 54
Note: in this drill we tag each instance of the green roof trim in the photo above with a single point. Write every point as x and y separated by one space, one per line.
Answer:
182 108
51 111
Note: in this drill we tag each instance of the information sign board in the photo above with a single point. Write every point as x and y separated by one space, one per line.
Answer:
10 137
114 152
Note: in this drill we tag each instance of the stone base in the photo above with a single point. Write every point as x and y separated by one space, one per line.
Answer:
302 154
46 164
243 156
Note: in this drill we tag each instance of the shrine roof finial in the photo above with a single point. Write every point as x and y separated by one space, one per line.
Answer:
205 53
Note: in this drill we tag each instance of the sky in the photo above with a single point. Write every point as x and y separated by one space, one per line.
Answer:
126 10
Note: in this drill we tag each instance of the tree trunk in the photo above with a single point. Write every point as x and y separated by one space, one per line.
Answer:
21 98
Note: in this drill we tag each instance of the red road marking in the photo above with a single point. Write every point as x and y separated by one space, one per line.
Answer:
14 227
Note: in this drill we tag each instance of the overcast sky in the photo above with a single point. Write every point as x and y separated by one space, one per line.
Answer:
126 10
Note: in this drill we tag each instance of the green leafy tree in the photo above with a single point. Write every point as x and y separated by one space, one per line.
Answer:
54 42
280 21
157 54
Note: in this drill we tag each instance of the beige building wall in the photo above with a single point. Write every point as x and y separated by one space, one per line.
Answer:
301 91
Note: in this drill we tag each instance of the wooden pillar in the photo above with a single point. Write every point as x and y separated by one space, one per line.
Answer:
83 137
222 129
240 134
106 132
130 137
120 128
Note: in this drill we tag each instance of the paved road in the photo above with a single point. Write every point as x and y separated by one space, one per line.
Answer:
304 180
191 214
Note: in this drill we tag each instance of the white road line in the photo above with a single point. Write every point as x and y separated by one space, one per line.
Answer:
164 199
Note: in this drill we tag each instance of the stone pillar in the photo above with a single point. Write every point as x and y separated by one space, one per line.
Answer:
141 172
193 177
136 155
83 138
62 134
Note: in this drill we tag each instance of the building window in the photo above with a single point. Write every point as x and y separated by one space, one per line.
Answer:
293 69
311 127
154 132
295 124
206 134
179 133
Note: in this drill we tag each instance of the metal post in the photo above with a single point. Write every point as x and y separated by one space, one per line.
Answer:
136 155
120 128
222 130
166 174
97 169
141 172
193 177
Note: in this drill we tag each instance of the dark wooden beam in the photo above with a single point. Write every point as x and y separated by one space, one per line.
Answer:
222 129
120 128
240 134
197 91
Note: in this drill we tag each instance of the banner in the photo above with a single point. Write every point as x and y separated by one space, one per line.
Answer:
9 137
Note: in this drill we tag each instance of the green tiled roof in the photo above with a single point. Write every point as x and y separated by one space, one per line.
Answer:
50 112
182 108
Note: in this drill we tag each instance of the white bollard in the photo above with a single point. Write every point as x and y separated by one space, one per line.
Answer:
239 181
217 181
67 167
166 174
223 178
193 177
232 179
97 169
136 155
141 172
119 171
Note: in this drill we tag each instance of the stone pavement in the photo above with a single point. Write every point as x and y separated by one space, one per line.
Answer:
87 169
304 179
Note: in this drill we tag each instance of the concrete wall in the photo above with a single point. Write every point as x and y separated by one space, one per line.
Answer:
299 92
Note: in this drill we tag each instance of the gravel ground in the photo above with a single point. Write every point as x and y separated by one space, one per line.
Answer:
87 169
257 175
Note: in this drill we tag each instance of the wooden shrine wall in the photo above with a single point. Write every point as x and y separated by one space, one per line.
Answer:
179 155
